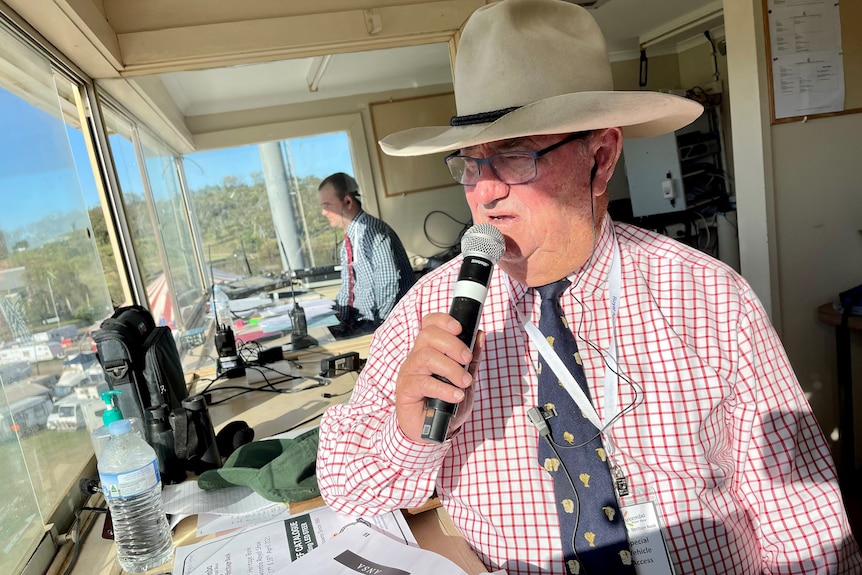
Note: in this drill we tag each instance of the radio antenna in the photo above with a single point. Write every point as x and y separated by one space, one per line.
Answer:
212 288
245 256
289 272
298 324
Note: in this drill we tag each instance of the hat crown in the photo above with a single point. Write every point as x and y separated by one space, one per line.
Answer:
516 52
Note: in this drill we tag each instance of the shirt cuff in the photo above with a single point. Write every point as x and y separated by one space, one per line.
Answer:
407 454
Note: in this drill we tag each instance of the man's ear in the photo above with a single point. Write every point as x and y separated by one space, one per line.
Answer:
608 147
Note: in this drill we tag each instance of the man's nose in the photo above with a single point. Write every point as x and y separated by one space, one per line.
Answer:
488 187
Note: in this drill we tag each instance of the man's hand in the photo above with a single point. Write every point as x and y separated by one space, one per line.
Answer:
438 351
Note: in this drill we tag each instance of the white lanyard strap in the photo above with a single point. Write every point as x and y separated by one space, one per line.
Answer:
611 369
565 376
556 364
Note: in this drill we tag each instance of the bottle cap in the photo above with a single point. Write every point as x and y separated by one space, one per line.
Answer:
120 427
112 413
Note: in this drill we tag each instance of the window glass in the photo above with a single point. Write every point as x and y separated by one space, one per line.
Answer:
94 210
122 141
254 202
52 289
183 280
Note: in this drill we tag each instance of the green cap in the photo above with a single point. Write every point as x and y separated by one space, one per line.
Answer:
282 470
112 413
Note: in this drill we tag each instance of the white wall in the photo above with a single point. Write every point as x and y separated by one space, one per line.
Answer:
799 214
818 207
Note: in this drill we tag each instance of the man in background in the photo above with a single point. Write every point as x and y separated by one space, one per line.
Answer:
375 269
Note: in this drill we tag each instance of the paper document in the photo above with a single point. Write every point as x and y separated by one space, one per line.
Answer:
209 523
187 498
364 549
269 548
807 57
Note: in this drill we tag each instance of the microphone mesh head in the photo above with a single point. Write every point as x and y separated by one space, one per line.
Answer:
485 240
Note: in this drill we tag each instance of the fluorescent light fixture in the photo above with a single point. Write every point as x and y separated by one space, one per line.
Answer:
316 71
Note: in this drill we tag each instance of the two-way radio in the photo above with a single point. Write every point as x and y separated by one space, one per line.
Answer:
299 338
228 364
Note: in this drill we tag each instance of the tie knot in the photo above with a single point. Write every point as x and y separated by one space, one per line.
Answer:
552 291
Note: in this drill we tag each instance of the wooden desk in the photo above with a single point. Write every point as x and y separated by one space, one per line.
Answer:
846 426
269 414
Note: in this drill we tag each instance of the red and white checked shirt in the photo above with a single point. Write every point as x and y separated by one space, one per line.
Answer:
722 437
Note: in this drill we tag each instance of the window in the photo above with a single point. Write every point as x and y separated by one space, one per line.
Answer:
173 230
52 288
257 204
159 222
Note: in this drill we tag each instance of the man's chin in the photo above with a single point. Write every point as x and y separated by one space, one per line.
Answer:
513 265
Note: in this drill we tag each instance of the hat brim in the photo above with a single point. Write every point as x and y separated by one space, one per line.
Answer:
640 114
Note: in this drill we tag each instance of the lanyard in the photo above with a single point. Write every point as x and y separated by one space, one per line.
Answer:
559 369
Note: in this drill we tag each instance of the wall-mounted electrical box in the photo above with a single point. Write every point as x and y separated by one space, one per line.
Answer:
654 175
675 172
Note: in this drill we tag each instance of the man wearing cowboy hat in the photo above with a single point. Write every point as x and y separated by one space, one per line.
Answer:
716 460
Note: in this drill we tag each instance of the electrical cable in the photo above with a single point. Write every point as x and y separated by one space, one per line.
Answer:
269 386
331 395
636 388
434 243
79 536
301 423
450 250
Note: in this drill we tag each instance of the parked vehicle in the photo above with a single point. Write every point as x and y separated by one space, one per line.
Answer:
67 415
70 380
36 351
28 410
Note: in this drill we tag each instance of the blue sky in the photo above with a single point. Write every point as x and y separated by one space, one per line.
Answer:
38 174
317 155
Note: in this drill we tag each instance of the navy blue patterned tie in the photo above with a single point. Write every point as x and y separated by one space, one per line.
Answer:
591 525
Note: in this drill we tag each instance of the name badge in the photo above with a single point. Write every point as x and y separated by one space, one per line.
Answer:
649 552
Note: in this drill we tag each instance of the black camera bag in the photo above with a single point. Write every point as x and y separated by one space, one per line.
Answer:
142 361
120 349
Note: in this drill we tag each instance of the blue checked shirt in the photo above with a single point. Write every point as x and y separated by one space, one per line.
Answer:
382 271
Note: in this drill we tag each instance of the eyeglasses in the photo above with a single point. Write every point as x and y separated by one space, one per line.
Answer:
515 167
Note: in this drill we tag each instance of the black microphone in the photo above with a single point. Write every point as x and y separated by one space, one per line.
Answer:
482 246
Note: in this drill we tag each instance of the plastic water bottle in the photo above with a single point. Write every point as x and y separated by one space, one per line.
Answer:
221 308
129 472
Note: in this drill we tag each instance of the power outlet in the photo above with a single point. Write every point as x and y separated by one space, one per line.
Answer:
667 190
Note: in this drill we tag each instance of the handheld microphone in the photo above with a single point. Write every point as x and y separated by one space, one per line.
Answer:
482 246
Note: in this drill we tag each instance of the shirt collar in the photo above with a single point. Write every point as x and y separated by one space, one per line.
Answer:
355 222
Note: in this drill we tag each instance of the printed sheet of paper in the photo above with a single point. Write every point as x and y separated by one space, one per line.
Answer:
364 549
209 523
187 498
807 59
805 84
267 548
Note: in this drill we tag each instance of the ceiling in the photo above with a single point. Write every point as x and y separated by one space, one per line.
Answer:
663 26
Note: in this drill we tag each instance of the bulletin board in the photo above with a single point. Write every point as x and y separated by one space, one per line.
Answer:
850 13
406 175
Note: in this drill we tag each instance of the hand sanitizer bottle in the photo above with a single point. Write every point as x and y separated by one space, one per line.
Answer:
100 436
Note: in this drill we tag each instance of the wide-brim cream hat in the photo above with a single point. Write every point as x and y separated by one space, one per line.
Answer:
531 67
